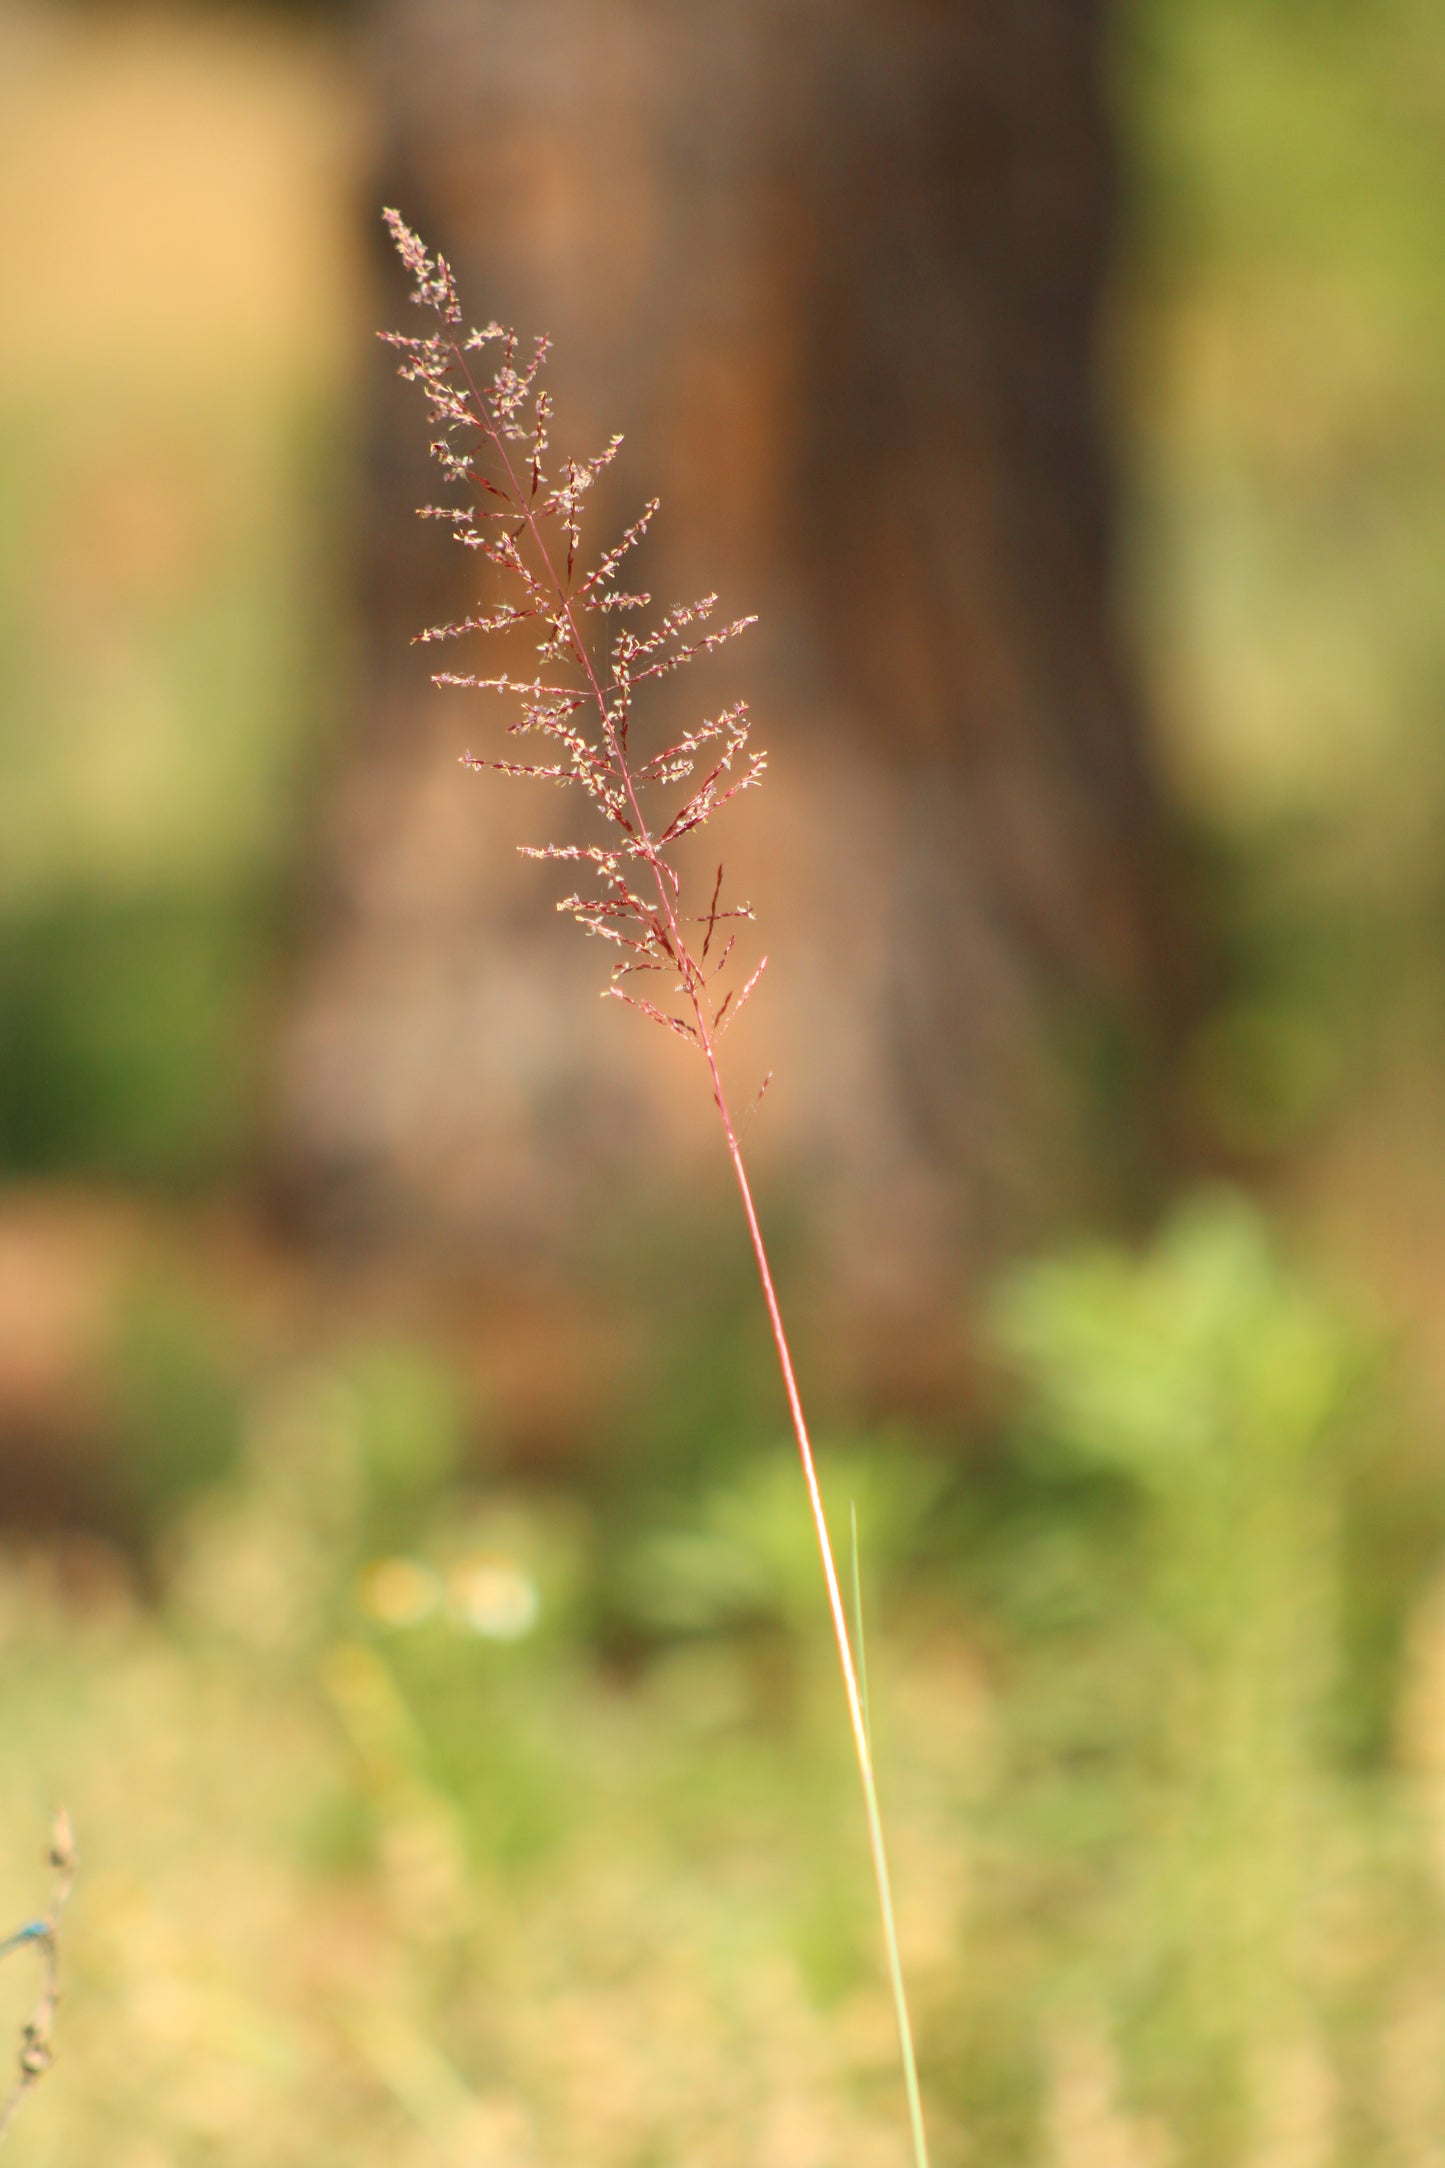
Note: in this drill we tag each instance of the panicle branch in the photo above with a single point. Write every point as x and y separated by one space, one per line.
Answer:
492 443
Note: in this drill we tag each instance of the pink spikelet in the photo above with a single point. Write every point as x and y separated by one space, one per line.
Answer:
492 442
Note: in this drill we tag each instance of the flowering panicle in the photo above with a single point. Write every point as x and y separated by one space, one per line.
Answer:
493 441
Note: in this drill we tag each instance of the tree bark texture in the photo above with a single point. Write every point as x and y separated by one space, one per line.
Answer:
835 268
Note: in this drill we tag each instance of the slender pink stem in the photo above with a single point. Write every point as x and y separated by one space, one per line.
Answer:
856 1718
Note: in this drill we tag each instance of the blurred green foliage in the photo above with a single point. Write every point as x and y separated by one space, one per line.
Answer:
1212 1382
178 1412
163 614
748 1554
128 1048
418 1858
1279 356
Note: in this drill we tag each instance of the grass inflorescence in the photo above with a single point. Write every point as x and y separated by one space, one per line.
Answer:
675 965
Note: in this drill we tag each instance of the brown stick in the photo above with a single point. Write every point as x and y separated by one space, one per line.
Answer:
37 2047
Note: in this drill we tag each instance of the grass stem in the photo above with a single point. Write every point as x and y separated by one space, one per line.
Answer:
651 937
852 1689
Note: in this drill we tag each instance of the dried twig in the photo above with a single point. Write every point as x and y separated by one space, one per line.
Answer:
37 2047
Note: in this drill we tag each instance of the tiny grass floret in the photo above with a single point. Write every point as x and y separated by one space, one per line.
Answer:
676 965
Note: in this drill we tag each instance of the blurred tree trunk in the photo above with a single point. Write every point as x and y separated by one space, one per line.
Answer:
835 268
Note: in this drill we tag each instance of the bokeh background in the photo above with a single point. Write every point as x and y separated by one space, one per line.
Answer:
404 1576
